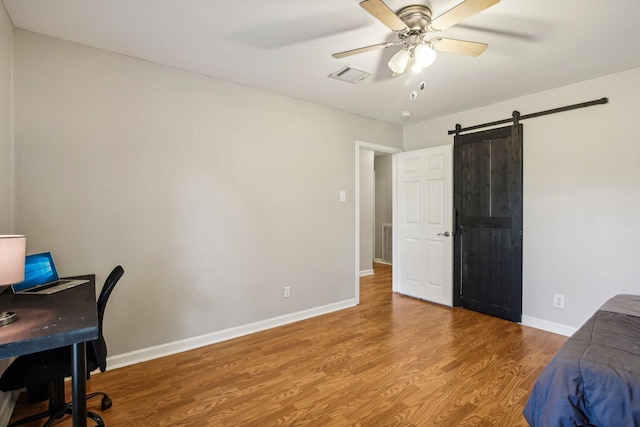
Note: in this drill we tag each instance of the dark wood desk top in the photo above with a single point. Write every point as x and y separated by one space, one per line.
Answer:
49 321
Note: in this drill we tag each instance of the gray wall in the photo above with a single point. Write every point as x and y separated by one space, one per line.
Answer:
6 159
384 184
581 194
213 196
6 123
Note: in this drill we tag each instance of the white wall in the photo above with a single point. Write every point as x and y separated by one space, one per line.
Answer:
6 123
581 193
213 196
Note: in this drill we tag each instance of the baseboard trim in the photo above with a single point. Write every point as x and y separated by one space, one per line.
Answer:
366 272
545 325
381 261
168 349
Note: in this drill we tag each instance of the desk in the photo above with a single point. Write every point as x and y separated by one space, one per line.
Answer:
49 321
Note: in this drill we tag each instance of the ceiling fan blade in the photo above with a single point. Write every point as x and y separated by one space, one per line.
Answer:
461 47
460 12
382 13
362 50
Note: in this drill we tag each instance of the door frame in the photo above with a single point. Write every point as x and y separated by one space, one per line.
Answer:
372 147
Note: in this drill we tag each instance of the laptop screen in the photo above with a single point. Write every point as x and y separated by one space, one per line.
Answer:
38 269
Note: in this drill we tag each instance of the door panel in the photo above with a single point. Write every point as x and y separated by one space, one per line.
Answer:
488 205
411 202
424 183
412 260
435 258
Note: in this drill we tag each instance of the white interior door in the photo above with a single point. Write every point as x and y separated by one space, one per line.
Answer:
423 242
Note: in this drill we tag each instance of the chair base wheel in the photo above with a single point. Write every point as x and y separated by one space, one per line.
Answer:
97 418
106 403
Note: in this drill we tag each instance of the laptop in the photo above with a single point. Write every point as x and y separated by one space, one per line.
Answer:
41 277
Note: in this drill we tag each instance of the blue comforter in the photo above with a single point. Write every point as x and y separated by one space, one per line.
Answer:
594 378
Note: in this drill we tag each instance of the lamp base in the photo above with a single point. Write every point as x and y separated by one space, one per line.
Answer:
7 317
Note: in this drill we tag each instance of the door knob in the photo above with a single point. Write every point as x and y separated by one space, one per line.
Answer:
445 234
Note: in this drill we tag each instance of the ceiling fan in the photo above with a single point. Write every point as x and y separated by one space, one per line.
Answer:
412 24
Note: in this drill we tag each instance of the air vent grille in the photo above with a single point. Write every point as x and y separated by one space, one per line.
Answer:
387 242
350 75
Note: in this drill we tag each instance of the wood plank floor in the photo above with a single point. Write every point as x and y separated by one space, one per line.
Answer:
392 360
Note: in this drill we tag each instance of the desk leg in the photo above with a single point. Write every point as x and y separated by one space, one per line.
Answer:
79 385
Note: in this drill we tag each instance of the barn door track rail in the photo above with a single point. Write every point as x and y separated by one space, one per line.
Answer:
517 116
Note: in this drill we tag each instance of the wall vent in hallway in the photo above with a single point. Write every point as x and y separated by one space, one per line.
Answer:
387 242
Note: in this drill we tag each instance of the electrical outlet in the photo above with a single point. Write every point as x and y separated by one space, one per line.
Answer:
287 291
558 301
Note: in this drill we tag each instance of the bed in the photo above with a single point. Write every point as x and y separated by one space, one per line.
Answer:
594 378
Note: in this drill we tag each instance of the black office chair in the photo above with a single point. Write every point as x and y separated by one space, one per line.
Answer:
43 373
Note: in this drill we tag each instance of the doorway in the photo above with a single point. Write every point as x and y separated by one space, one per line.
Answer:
488 222
376 148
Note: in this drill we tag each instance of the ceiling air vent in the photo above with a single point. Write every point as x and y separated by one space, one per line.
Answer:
350 75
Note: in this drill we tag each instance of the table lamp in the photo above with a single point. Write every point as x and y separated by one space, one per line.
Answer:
12 254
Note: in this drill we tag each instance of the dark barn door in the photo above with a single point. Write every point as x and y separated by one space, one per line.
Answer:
488 213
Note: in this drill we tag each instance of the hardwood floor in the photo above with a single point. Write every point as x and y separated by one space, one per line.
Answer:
392 360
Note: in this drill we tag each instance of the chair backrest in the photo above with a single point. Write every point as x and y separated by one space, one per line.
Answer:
99 346
108 286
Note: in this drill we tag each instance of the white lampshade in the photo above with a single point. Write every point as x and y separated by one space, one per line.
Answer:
12 253
424 55
399 61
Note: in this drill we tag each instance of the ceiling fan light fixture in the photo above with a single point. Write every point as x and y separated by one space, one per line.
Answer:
399 61
412 23
424 55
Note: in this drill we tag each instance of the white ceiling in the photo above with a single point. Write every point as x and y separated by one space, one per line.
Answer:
285 46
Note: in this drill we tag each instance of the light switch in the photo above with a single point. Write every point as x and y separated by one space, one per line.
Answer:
343 196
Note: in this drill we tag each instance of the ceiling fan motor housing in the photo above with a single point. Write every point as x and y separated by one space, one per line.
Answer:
416 17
